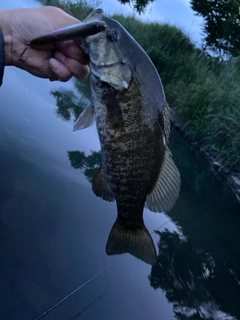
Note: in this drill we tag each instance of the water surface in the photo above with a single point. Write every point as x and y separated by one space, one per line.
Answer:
53 230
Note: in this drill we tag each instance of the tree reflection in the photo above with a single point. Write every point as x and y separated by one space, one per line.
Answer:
69 104
193 281
87 164
199 275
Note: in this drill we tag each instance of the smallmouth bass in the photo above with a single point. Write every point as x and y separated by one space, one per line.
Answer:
132 118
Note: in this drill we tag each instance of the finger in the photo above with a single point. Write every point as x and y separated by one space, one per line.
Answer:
71 50
53 77
75 67
59 70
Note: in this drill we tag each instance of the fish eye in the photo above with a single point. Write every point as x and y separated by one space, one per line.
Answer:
113 35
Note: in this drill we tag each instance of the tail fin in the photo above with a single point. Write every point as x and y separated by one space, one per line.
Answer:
137 242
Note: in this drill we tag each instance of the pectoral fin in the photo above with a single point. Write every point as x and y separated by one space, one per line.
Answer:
101 187
85 119
167 188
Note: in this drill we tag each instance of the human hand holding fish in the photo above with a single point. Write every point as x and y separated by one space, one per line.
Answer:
132 118
56 61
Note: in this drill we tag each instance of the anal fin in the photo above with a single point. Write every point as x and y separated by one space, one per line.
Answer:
101 187
166 190
85 119
137 242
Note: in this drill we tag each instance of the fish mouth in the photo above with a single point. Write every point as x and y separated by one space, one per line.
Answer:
108 65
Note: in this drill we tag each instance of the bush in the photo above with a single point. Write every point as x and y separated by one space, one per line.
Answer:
203 91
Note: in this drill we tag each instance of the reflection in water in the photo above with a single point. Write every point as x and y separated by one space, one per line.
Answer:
197 283
199 271
70 105
87 164
191 279
67 104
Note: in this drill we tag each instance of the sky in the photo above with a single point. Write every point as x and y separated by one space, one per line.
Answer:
175 12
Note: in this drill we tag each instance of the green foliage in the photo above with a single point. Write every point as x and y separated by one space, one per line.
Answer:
203 91
138 5
222 24
79 9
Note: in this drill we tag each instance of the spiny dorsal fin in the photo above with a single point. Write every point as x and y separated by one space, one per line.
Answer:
167 188
138 243
101 187
85 119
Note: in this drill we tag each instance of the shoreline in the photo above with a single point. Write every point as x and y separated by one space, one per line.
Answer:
222 174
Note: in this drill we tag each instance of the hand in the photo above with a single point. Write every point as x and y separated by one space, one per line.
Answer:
59 61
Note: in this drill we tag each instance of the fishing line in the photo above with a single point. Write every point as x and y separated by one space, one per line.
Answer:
88 306
83 285
74 291
161 226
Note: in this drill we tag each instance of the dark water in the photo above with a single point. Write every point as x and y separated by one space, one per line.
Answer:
53 230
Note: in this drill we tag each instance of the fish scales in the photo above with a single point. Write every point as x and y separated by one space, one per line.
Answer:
132 152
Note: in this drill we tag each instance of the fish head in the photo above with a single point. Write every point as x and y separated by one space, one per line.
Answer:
107 61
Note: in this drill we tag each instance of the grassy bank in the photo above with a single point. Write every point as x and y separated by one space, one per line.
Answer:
203 91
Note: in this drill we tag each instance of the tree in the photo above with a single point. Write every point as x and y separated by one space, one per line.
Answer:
222 24
138 5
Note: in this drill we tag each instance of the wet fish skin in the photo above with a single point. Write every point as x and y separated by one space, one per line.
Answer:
132 118
131 161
